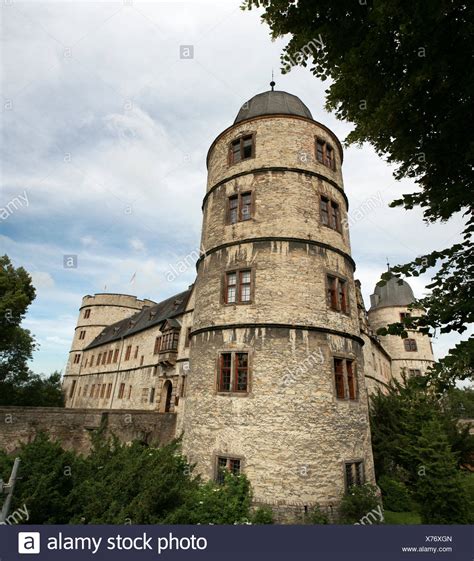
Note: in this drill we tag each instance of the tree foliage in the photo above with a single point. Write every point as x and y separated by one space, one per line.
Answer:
18 384
418 444
399 73
397 419
439 487
16 344
123 484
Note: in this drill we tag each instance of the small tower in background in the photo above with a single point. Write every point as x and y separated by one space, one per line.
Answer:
389 304
96 313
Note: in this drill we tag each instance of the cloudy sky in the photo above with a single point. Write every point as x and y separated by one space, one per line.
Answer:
105 133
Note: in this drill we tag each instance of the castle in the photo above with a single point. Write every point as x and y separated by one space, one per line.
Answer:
268 358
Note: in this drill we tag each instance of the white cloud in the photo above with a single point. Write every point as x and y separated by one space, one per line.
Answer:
108 136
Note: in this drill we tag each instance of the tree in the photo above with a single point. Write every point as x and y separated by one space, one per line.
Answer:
397 419
123 484
399 72
18 385
32 390
16 344
439 488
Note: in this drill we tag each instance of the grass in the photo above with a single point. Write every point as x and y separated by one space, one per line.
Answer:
401 517
414 518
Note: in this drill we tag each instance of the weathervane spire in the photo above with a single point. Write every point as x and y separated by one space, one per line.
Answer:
272 83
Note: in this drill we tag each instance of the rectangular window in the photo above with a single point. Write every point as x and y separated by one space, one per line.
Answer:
345 379
97 390
102 390
330 214
241 148
231 288
142 360
351 379
136 352
414 372
170 340
152 395
241 361
240 208
187 338
86 389
73 387
324 211
404 315
225 372
87 313
104 358
99 358
128 352
77 358
234 209
337 293
110 356
92 390
109 390
233 372
238 287
325 153
339 378
354 472
232 465
410 345
121 391
183 386
82 335
319 150
92 360
335 218
157 348
116 355
129 392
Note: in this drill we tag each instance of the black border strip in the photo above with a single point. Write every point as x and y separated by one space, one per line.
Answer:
277 326
277 169
277 239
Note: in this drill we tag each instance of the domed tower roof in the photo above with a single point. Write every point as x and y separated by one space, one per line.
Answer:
272 103
395 292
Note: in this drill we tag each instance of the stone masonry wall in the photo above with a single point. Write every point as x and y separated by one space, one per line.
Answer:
73 427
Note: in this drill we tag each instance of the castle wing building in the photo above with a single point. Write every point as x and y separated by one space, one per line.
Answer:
267 360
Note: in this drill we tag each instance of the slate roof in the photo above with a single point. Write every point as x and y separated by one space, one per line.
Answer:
272 103
147 317
395 292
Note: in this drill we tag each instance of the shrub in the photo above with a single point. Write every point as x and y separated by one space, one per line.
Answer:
357 503
317 516
396 496
262 515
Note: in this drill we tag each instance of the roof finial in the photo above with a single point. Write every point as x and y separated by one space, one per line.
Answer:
272 83
388 264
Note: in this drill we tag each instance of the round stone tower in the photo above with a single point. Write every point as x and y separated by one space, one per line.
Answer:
276 385
96 313
389 304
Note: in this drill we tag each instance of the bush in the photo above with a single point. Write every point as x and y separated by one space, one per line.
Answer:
396 496
262 515
357 503
317 516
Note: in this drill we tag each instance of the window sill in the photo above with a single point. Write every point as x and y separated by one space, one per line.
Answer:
233 394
